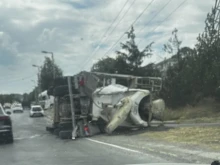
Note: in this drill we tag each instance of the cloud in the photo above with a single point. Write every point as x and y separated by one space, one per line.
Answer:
73 29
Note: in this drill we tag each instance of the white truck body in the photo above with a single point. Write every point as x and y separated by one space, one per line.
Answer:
121 106
45 100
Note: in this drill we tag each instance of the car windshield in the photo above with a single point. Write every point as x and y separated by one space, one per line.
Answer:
36 109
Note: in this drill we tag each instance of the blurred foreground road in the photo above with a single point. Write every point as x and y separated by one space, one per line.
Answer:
34 146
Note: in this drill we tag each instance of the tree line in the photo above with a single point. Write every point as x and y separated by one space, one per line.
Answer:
45 80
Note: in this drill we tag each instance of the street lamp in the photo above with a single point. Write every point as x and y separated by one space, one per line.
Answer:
46 52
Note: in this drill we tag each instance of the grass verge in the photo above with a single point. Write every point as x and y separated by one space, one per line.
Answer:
203 136
207 110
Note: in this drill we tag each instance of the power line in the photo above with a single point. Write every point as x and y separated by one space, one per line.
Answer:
115 19
16 77
103 36
154 16
8 75
122 18
128 28
19 79
165 18
97 48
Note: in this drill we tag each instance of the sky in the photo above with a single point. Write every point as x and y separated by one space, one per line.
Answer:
79 32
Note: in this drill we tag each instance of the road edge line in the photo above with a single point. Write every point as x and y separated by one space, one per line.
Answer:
115 146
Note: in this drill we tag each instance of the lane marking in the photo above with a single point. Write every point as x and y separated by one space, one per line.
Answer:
131 150
34 136
116 146
30 137
19 138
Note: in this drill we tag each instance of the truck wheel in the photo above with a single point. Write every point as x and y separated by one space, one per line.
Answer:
56 131
65 134
80 130
49 129
60 81
50 91
65 126
63 90
101 125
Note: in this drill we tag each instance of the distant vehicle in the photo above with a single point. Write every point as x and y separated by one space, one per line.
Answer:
46 101
8 110
5 126
36 110
17 108
7 105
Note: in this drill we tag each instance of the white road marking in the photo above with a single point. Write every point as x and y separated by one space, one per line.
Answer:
19 138
115 146
30 137
131 150
34 136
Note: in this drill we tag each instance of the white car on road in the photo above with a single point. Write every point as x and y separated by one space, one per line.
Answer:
17 108
36 110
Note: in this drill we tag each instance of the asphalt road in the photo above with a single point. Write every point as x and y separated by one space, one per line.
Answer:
33 145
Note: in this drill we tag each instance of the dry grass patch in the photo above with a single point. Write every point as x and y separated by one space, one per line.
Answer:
206 111
204 136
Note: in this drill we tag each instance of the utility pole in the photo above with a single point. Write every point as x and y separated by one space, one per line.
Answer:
72 107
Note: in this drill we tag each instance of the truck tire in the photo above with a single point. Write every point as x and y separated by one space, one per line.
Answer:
60 81
66 126
101 125
56 131
49 129
80 131
61 91
50 91
65 134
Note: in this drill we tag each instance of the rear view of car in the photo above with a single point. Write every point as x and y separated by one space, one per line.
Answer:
36 111
8 110
6 133
17 108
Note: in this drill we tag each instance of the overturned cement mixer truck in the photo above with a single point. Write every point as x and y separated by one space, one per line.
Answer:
91 100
